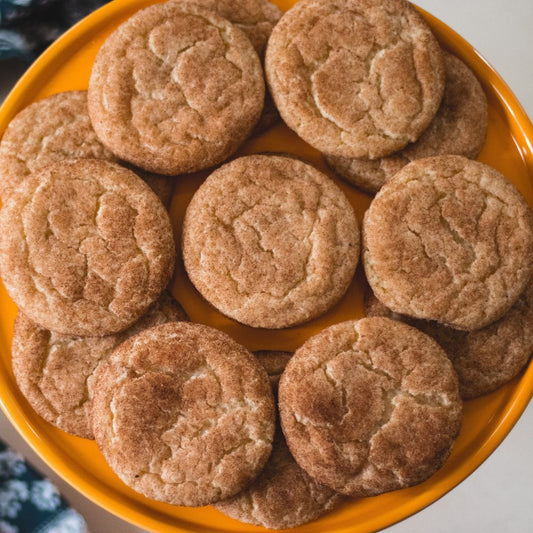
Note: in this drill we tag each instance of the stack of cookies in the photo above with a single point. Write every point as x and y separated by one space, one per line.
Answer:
183 413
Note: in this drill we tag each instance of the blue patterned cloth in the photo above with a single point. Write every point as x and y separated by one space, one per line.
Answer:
31 504
27 27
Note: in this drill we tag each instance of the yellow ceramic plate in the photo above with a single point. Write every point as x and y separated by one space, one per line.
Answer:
65 66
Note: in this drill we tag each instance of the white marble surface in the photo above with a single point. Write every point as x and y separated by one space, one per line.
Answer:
497 497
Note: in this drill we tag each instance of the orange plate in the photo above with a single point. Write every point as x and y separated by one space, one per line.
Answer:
66 65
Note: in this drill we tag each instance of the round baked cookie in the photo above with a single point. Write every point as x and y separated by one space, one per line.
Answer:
183 414
355 78
85 247
370 406
283 495
274 362
52 129
175 89
485 359
459 128
448 239
54 371
270 241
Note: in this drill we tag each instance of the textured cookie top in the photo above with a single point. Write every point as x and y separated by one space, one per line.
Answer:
85 247
484 359
49 130
370 406
255 18
183 414
459 128
270 241
282 496
355 78
54 371
176 88
448 239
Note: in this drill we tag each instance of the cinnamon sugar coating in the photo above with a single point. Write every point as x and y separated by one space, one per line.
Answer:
175 89
50 130
484 359
370 406
355 78
183 414
270 241
448 239
54 372
283 496
85 247
459 128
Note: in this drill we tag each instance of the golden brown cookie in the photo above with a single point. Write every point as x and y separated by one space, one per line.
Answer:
355 78
283 495
370 406
85 247
484 359
50 130
274 362
54 371
270 241
448 239
176 88
183 414
459 128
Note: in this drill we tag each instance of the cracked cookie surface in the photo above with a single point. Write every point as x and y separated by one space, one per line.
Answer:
459 128
183 414
54 371
484 359
50 130
283 495
448 239
175 89
355 78
370 406
270 241
85 247
255 18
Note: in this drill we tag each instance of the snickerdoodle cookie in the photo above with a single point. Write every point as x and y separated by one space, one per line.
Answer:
270 241
448 239
85 247
176 88
459 128
54 371
283 495
52 129
183 414
484 359
370 406
355 78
